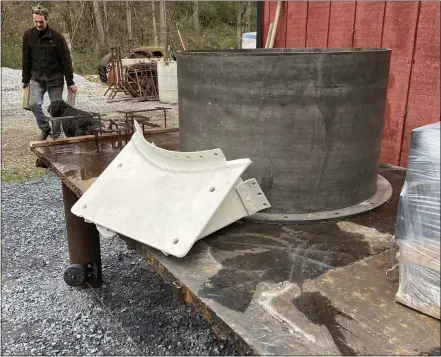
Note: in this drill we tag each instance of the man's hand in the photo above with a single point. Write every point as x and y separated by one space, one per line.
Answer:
73 88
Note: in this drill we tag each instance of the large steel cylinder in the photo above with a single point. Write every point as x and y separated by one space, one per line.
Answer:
311 121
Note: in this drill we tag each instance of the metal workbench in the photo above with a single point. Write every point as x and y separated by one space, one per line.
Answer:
318 289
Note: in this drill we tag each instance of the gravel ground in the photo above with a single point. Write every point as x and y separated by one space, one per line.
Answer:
134 313
90 97
19 126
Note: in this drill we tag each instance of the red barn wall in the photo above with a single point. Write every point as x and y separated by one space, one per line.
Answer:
411 29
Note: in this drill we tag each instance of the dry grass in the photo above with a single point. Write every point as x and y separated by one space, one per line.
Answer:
18 162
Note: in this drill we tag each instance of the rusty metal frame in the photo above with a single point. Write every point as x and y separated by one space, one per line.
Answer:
131 115
83 239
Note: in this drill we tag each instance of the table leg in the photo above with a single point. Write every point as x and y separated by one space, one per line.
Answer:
83 239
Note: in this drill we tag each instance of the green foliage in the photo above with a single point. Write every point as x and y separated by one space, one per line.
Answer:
221 36
20 173
214 13
11 53
217 19
85 63
12 32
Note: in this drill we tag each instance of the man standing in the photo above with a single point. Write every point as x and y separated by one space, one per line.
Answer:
46 62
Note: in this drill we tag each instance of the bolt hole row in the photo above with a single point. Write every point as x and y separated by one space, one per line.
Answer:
200 156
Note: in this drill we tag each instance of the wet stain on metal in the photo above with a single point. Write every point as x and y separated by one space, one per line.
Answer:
251 253
80 162
268 253
320 311
436 351
267 182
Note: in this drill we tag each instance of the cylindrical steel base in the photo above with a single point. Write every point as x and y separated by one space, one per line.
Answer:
83 239
383 195
310 120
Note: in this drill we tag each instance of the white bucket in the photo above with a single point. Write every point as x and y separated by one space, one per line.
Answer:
249 40
167 81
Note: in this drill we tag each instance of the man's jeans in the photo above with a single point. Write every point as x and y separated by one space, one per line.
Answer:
36 101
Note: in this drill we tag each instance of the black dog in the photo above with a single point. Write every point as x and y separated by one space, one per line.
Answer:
83 124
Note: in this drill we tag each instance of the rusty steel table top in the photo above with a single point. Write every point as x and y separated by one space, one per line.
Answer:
317 289
79 164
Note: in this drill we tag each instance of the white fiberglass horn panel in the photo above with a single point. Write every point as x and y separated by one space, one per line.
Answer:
168 199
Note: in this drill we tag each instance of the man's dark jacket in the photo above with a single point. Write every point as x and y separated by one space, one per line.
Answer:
46 58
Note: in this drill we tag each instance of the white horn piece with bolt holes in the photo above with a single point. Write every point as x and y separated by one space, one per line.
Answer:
168 200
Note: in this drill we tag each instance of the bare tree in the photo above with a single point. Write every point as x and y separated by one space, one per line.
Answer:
196 24
129 22
75 27
162 23
155 32
68 18
239 14
248 16
4 6
140 27
99 28
106 18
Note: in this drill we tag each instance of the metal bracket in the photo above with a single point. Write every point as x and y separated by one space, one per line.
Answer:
252 196
168 200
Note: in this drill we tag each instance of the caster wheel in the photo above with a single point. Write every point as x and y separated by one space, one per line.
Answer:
75 275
